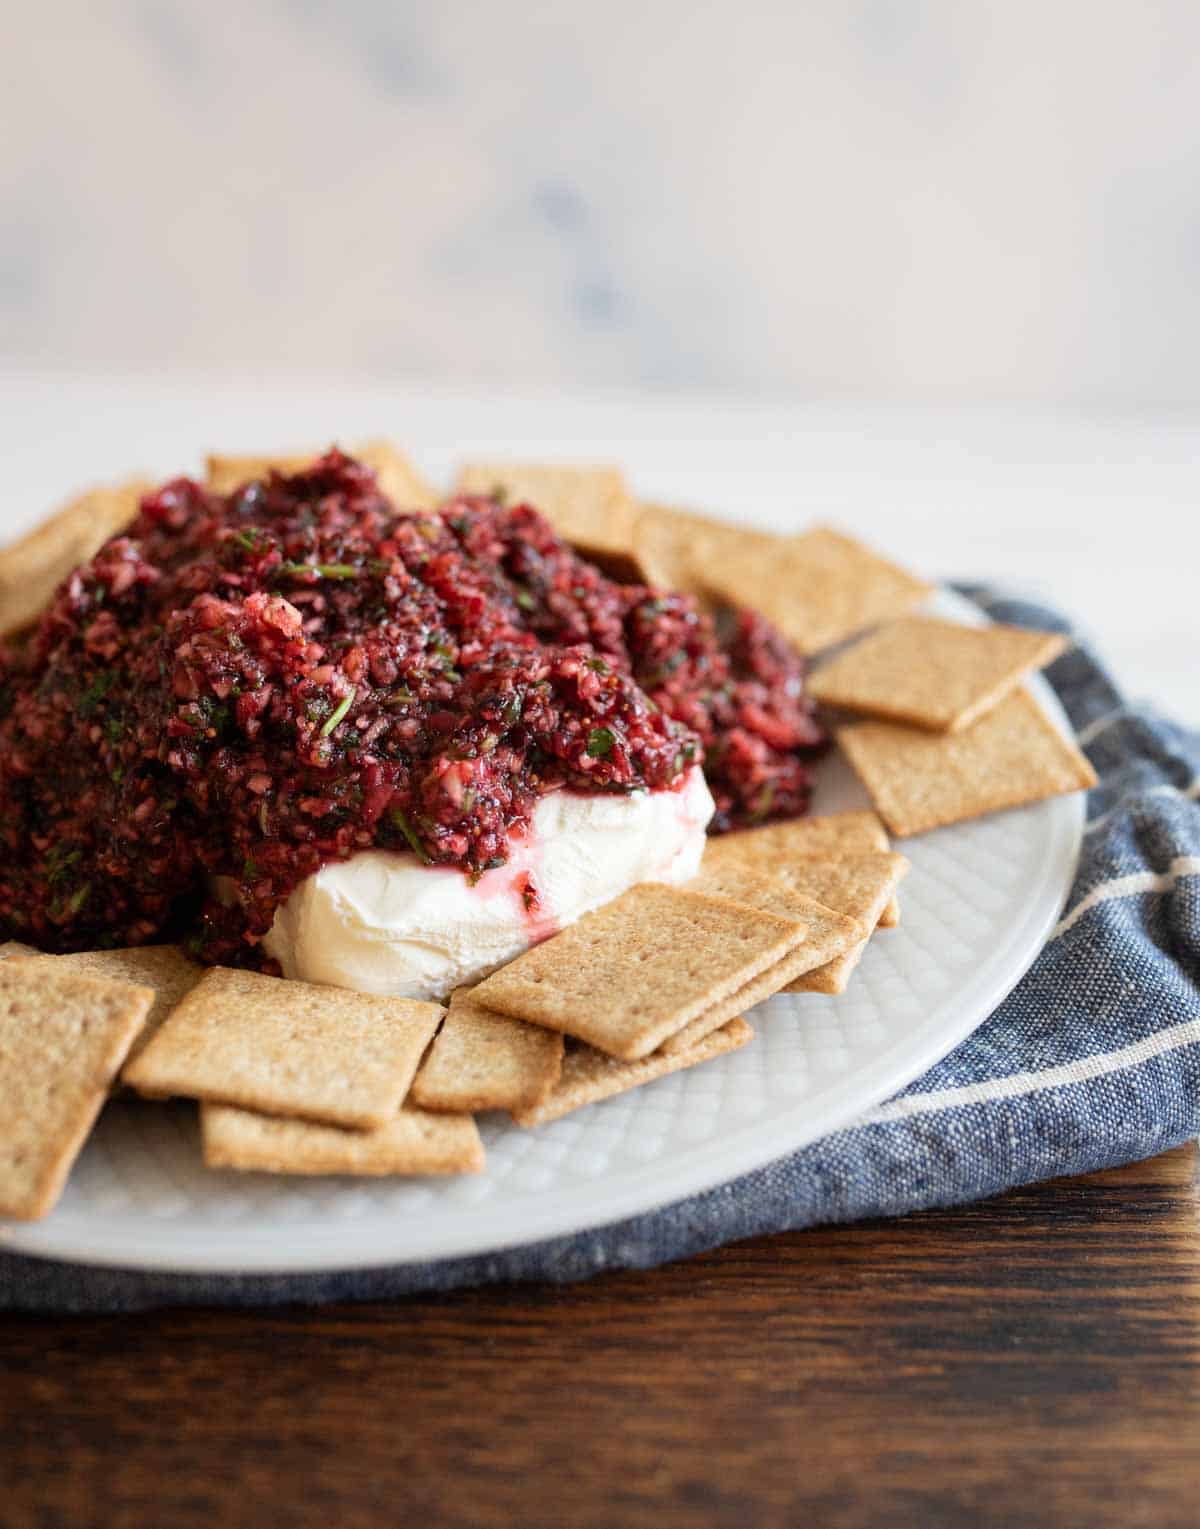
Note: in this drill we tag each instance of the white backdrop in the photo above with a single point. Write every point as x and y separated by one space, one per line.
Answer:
944 198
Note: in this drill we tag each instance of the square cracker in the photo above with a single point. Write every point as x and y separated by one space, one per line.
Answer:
860 886
288 1048
827 935
398 478
481 1060
835 834
33 567
638 969
817 588
855 887
774 980
933 674
590 507
918 780
164 968
412 1142
62 1038
588 1075
666 541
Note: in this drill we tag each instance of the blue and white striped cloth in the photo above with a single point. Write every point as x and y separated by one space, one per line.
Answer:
1093 1060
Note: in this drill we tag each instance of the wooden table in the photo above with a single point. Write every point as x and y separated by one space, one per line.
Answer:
1031 1361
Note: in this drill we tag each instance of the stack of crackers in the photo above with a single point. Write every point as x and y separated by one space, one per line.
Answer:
295 1078
291 1077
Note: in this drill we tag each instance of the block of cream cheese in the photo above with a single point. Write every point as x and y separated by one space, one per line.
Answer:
381 922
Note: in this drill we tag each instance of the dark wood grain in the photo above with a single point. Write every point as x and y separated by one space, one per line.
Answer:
1031 1361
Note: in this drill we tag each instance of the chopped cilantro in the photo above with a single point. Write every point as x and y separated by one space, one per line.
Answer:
339 711
410 834
600 742
763 806
59 861
525 600
96 692
322 570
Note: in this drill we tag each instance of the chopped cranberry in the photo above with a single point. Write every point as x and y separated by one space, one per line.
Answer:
242 689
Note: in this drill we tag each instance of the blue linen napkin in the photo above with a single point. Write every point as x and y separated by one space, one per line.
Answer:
1093 1060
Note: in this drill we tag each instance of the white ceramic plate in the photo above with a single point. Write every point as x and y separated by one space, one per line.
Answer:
976 907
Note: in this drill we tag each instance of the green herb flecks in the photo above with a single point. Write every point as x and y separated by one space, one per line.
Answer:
339 711
321 570
59 860
96 692
600 742
410 833
763 806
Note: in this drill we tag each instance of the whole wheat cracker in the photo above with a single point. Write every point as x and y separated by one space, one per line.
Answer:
834 834
835 976
164 968
62 1038
589 1075
590 507
671 546
827 934
932 674
859 886
919 780
412 1142
288 1048
636 970
818 588
397 476
774 980
32 567
481 1060
855 887
831 835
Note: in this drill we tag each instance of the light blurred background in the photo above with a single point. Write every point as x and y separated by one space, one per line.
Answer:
839 197
949 249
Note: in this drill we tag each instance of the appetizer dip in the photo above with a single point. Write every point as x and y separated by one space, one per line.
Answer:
310 733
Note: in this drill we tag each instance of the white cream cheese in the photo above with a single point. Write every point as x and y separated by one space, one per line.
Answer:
381 922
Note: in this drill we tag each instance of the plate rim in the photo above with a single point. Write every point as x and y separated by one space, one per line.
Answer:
322 1247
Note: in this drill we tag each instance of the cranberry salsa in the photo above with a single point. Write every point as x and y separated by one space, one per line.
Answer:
243 689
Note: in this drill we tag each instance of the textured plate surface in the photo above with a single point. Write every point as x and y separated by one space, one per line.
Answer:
976 906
